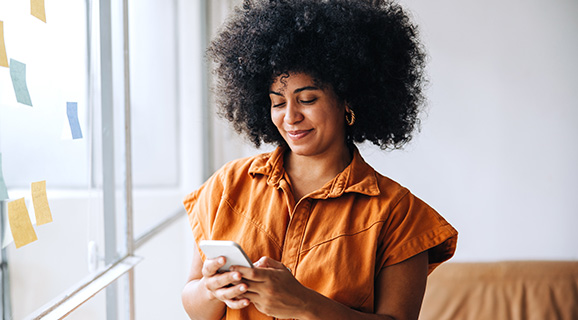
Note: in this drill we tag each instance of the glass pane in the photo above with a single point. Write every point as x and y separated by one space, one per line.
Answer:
154 111
44 269
161 276
154 95
37 144
36 141
41 143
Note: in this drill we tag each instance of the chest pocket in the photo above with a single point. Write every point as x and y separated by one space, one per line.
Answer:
252 224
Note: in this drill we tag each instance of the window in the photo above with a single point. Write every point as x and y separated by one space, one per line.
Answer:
114 193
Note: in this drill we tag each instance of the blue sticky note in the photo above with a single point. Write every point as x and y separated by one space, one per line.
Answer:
3 189
18 75
72 112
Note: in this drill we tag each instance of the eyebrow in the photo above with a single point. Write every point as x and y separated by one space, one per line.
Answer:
296 90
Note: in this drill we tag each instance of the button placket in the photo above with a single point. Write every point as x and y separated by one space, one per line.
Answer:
294 234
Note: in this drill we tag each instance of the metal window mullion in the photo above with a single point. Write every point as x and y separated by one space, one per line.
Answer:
108 278
128 137
108 181
85 290
207 127
130 245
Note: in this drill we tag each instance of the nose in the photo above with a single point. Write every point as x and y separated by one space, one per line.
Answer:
292 113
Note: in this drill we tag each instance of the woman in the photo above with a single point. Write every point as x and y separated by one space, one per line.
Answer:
331 237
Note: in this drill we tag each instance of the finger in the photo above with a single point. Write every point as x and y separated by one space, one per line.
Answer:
260 263
256 274
221 280
251 296
230 293
266 262
237 303
253 274
211 266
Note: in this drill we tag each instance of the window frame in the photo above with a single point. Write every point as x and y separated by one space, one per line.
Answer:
116 263
120 246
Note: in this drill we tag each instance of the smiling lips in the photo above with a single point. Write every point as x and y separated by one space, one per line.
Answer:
298 134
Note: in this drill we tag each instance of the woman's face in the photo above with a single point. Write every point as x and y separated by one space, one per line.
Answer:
310 118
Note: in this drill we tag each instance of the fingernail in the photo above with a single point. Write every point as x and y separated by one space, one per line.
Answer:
236 276
221 260
242 288
245 303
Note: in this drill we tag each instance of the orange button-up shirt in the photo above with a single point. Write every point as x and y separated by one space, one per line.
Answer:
335 240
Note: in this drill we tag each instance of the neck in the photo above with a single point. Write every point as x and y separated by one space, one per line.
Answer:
320 167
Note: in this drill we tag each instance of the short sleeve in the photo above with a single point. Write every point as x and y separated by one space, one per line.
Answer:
202 205
414 227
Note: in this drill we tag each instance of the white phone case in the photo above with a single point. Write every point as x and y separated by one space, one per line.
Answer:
229 249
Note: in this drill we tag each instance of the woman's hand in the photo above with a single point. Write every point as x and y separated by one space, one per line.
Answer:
275 292
227 286
273 289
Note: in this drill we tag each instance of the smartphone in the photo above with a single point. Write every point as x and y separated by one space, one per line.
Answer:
229 249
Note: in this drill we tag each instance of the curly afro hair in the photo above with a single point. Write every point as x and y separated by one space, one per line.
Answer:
367 51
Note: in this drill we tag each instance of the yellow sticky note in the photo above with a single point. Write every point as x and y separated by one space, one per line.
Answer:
3 56
37 9
20 223
40 201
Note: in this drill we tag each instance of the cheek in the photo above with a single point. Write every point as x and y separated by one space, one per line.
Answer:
276 117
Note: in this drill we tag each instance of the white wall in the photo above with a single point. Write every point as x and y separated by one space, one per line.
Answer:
497 154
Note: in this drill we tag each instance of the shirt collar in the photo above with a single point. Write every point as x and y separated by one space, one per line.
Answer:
357 177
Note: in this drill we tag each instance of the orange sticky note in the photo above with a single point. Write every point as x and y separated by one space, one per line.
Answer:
3 56
20 223
37 9
40 202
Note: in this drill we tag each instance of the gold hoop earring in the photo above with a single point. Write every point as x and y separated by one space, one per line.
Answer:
350 117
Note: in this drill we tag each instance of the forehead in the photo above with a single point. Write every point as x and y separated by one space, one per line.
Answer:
292 80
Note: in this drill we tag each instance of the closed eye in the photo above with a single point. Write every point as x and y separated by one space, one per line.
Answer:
308 101
278 105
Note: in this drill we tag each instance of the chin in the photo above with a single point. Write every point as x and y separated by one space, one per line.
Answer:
302 150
